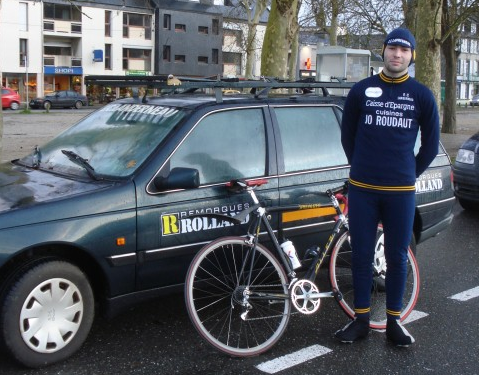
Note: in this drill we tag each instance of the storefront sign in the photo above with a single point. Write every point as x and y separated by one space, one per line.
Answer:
97 55
137 73
76 71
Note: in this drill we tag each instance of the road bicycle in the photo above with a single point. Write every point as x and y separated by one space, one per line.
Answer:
239 293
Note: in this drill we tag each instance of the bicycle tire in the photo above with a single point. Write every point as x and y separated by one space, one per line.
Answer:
341 279
214 289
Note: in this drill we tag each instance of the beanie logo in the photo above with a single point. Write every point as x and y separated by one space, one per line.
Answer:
373 92
400 41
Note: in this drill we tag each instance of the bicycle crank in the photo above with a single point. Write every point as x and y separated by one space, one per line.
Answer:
305 296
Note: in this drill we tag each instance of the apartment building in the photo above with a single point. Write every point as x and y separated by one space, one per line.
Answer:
468 60
52 45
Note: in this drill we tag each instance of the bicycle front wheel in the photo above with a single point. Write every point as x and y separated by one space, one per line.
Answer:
341 279
237 317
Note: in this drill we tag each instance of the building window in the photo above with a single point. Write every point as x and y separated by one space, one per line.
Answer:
167 53
136 25
23 52
179 27
180 58
231 63
107 22
203 30
232 38
167 21
23 17
214 56
108 56
61 12
136 59
215 27
202 59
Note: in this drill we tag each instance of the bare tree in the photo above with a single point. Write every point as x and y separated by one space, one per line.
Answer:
454 16
244 18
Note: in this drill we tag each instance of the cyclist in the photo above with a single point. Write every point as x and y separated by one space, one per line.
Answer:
382 116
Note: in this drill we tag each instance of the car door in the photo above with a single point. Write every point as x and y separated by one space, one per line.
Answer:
222 145
60 99
310 161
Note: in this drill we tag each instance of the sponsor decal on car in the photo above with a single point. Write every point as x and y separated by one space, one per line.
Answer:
428 182
187 222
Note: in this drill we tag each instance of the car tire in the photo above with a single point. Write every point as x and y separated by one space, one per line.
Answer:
47 106
468 205
78 104
47 313
14 106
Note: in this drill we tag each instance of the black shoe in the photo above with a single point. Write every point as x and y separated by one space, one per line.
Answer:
353 331
397 334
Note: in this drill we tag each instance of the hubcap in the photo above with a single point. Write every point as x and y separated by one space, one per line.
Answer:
51 315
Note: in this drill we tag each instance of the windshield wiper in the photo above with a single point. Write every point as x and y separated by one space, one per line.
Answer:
77 159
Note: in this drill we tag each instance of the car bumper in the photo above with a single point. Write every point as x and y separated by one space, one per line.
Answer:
466 181
439 213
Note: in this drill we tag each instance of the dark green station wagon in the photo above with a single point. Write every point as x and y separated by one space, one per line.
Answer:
101 216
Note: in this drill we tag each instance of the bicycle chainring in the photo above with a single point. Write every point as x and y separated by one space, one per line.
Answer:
301 296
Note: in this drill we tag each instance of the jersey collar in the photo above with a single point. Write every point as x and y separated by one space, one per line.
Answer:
388 79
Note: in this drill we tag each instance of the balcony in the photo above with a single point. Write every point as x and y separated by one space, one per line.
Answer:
62 27
68 61
468 77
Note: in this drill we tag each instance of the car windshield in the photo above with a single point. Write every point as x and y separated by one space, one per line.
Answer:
114 141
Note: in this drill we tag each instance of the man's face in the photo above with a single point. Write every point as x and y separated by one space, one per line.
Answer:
396 60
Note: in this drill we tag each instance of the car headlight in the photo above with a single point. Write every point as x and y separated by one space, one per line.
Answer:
465 156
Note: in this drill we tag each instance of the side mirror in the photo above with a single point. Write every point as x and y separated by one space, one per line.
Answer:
179 178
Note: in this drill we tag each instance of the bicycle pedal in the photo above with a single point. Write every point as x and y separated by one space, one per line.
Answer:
337 295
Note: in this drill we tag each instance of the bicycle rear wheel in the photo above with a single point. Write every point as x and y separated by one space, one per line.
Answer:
341 279
215 291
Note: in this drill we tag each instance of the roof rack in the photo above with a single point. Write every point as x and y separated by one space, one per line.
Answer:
184 84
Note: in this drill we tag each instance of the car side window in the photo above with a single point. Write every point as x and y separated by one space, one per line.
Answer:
62 94
225 145
311 138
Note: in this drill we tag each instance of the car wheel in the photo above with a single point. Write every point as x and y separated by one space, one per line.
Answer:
78 104
47 313
468 205
14 106
47 105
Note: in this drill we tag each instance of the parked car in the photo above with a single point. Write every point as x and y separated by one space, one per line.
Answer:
474 101
100 217
466 174
60 99
10 99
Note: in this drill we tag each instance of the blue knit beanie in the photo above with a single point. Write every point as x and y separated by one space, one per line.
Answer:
401 37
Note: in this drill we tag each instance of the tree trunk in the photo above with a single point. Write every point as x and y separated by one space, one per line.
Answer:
449 105
251 37
428 54
276 45
409 8
294 42
250 48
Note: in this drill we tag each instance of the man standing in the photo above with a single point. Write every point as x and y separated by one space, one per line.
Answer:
381 119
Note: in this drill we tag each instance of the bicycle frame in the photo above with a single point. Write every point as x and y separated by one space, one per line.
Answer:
261 219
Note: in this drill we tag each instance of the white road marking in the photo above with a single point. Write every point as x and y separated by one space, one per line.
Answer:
466 295
314 351
293 359
415 315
